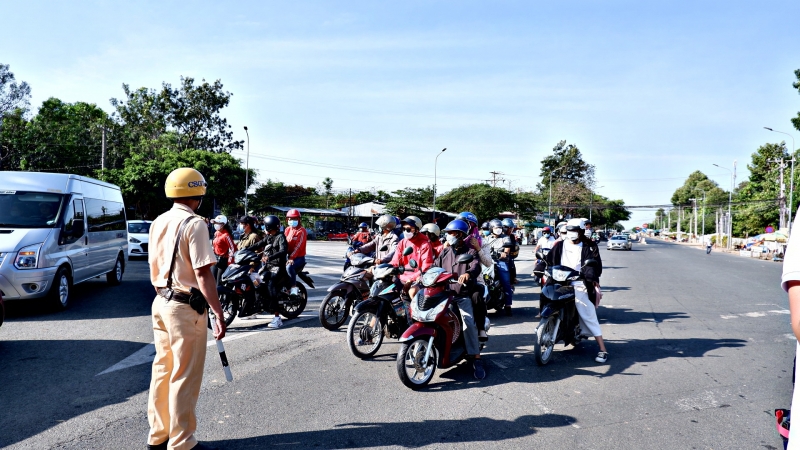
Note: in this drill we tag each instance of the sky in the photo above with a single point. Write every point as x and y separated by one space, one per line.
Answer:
649 91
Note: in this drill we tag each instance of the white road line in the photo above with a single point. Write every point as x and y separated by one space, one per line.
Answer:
144 355
756 314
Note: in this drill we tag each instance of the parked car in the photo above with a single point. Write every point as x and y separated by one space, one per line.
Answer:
57 230
619 242
138 237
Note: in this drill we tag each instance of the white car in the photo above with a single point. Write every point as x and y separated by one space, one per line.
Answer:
619 241
138 236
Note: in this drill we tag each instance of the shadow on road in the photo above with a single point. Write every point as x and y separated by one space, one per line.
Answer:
46 382
405 434
626 316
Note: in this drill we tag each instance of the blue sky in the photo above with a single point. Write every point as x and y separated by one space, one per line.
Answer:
649 91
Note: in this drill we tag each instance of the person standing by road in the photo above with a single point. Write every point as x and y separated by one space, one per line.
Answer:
296 238
180 260
223 244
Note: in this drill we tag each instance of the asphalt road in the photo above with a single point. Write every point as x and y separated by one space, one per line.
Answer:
700 354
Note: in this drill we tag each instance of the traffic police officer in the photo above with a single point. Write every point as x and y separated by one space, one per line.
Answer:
180 330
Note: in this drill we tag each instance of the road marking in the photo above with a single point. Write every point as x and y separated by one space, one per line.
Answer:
771 312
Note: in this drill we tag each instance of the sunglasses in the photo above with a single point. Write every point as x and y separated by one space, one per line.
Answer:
409 229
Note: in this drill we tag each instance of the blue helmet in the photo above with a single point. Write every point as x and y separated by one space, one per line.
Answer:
508 223
363 225
468 217
457 225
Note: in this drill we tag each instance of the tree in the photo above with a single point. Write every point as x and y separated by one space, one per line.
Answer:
327 183
796 85
693 188
13 95
278 194
410 201
759 194
483 200
568 164
190 113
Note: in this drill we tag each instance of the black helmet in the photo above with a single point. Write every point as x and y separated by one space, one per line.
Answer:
248 220
272 223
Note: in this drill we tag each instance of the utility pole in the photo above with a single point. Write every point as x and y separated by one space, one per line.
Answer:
679 223
782 194
494 179
103 156
694 204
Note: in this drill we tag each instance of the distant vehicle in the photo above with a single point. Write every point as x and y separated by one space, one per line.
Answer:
619 242
57 230
138 237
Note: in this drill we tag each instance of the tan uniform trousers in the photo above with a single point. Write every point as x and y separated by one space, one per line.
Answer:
180 340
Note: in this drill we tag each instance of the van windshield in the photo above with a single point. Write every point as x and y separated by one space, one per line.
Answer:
25 209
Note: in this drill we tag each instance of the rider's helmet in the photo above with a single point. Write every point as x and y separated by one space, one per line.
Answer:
469 218
272 223
575 226
508 223
386 222
293 214
431 228
414 221
458 225
363 225
220 219
485 226
185 182
546 230
496 226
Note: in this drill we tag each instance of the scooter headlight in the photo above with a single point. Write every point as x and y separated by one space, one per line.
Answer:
28 257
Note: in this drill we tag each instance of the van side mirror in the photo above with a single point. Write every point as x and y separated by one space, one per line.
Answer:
77 228
465 258
408 251
413 263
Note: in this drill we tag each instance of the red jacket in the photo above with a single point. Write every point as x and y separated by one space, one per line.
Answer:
423 254
362 236
436 246
296 238
223 245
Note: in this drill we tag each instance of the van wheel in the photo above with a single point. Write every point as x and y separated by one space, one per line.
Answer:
61 290
115 276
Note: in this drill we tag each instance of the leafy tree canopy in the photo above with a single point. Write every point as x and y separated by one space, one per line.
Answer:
483 200
568 165
12 95
411 201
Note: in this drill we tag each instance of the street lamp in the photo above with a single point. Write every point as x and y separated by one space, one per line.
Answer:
246 171
791 181
730 200
591 200
550 200
704 210
435 162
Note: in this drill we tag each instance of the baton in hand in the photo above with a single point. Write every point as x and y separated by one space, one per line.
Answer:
221 349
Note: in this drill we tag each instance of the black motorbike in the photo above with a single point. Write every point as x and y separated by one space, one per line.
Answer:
351 288
244 288
384 313
560 320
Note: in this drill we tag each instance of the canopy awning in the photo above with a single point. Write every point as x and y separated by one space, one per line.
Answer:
310 211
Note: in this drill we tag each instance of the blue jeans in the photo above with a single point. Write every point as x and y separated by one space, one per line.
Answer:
505 280
297 266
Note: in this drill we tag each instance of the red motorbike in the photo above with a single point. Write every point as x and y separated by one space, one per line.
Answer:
435 337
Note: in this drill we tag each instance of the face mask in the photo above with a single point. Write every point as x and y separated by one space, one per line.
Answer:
486 232
240 227
547 235
572 235
408 234
293 223
217 226
497 231
452 240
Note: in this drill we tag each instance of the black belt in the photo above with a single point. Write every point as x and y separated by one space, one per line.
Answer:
170 294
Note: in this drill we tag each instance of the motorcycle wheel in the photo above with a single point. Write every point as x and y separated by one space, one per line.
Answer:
365 334
294 309
230 308
334 310
545 341
410 368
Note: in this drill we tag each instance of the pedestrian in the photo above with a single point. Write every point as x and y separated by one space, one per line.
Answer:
180 261
223 244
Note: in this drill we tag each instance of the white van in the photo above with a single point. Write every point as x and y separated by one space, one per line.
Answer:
57 230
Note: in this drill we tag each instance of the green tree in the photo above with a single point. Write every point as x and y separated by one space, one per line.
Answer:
568 164
411 201
327 183
796 85
759 194
481 199
13 95
693 188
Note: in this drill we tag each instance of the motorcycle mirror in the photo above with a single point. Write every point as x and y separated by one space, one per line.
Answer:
413 263
408 251
591 263
465 258
401 269
384 248
539 255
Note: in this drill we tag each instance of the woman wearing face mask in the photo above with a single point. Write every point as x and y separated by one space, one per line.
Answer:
431 230
573 252
250 234
223 245
423 253
296 238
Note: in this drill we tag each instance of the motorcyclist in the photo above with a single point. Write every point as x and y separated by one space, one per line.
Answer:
560 232
500 248
573 252
466 290
422 252
474 238
275 257
431 230
363 234
387 238
250 234
508 229
546 241
296 238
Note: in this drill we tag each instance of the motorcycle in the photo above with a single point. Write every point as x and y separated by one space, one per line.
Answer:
352 246
539 267
384 313
435 339
351 288
560 320
243 286
494 294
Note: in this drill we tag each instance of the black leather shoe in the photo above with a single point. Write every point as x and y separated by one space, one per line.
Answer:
161 446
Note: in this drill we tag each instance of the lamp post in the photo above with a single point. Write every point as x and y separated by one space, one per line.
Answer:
247 171
591 200
704 210
791 179
435 162
730 200
550 199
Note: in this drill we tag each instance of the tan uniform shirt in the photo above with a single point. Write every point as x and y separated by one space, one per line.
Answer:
195 250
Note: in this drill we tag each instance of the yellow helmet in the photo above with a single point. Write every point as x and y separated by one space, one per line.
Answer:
185 182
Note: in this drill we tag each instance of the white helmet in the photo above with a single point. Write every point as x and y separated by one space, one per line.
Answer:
385 221
431 228
220 219
580 223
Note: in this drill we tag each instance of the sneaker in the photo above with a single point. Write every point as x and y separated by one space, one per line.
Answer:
482 336
507 311
602 357
276 322
480 372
